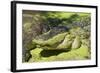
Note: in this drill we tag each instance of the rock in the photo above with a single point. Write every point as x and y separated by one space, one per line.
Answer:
73 46
29 31
48 59
30 46
52 41
78 32
76 43
66 44
44 36
49 48
26 55
86 42
58 29
78 54
83 51
56 39
35 53
45 28
52 32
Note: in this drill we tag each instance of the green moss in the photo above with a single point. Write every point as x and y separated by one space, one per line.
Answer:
56 39
83 51
39 42
52 41
78 54
35 54
36 51
49 48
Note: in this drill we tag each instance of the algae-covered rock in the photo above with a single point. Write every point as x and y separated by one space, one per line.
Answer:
30 46
44 36
83 51
26 57
78 32
56 39
49 48
53 36
86 42
78 54
52 32
76 43
66 44
39 42
52 41
35 53
73 47
27 27
48 59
